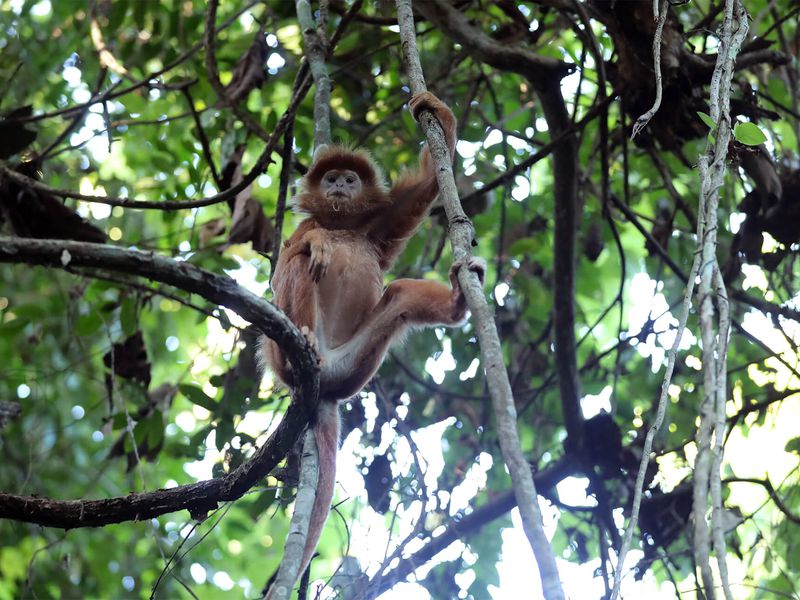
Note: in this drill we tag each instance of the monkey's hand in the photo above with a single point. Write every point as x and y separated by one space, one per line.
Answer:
443 114
321 249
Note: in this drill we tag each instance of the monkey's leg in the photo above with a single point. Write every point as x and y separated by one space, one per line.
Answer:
405 303
296 295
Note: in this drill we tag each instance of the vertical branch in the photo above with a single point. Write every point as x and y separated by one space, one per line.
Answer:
644 119
711 287
705 265
315 52
661 412
461 236
288 573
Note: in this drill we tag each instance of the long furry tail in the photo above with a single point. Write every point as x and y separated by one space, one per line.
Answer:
326 432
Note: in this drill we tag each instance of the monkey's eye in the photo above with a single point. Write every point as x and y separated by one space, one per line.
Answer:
331 178
350 179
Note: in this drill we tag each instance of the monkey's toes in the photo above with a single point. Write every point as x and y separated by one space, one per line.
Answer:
311 338
478 266
422 101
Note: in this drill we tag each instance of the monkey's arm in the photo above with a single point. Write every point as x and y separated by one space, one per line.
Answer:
294 292
312 241
414 191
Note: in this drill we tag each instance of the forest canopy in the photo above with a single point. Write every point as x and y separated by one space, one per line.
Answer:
630 172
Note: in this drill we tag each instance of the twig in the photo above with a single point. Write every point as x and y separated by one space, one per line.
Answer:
644 119
145 81
461 236
259 167
101 77
209 40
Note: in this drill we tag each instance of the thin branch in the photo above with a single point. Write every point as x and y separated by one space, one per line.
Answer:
259 167
772 492
461 236
461 528
301 515
212 69
644 119
201 135
287 163
107 59
315 52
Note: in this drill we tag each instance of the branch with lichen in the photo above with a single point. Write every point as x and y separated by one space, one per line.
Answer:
461 235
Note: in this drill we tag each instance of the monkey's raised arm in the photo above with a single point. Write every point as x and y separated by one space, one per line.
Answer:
414 191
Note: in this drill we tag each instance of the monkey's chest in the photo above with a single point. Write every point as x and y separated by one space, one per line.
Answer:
349 291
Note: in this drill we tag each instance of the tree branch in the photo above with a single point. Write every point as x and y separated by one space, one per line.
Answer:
199 497
461 237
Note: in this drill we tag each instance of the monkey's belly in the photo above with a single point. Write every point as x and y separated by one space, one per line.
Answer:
348 293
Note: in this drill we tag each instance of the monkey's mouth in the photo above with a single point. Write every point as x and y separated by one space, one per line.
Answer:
338 194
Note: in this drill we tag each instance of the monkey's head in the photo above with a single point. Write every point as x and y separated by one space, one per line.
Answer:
341 186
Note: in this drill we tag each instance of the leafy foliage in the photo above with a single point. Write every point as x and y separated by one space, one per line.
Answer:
104 366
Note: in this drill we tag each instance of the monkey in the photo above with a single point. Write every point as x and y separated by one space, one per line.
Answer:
329 281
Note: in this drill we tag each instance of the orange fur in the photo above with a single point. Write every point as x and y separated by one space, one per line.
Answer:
329 279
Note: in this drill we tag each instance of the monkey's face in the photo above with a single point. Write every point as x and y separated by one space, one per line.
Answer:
340 185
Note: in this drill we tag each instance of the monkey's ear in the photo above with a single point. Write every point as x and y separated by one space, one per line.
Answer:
319 151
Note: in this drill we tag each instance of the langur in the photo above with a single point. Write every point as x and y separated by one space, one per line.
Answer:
329 281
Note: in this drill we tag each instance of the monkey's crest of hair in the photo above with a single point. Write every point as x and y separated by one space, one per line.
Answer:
374 191
339 156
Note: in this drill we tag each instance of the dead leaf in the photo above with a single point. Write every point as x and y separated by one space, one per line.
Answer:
130 359
37 214
249 72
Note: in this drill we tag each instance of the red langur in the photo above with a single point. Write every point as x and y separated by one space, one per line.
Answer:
329 281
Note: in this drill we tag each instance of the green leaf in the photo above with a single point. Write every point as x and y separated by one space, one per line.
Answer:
706 118
793 445
749 134
127 316
197 396
88 324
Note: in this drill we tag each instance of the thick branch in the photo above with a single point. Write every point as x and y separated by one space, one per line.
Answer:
199 497
467 525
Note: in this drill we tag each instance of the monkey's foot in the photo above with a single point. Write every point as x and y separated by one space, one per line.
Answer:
475 264
423 101
311 338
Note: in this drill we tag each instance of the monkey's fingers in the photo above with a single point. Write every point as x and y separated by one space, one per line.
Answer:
317 269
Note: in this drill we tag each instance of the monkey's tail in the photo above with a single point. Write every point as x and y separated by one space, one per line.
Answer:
326 433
